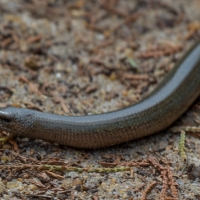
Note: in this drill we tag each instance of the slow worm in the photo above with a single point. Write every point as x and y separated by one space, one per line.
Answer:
154 113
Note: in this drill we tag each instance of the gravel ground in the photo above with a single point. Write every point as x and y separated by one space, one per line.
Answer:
86 57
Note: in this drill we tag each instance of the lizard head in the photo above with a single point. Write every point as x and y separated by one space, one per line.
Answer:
14 120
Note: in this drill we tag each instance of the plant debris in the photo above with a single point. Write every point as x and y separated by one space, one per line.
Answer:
87 57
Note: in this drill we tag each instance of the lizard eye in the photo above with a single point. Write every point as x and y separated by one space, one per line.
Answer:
5 119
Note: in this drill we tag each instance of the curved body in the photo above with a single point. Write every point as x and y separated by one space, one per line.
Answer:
155 113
